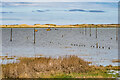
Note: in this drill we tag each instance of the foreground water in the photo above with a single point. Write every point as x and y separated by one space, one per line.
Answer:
98 45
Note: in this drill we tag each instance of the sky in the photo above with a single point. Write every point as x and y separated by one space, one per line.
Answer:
54 13
60 0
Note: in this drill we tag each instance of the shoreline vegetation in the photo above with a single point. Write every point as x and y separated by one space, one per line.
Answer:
62 67
61 26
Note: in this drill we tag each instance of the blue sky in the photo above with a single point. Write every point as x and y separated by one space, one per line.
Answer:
60 0
54 13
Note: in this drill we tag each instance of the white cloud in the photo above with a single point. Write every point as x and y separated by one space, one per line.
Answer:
59 0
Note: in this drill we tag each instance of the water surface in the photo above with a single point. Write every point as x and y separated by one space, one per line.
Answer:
98 45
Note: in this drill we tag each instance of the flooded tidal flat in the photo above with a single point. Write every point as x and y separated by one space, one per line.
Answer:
97 45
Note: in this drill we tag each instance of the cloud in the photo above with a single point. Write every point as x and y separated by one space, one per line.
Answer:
16 19
73 10
40 11
96 11
5 4
82 10
77 10
6 12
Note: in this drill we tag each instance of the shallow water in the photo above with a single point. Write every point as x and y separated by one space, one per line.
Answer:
63 41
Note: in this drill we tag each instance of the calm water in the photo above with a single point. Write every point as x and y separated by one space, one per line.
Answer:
63 41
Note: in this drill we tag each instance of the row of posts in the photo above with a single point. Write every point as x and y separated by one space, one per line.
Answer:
85 34
12 33
90 31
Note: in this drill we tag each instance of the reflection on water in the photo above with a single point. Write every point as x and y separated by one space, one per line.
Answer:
98 45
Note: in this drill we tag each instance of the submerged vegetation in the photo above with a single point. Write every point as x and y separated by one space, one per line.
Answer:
62 67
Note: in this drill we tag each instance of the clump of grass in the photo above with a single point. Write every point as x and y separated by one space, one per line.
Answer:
62 67
7 57
116 60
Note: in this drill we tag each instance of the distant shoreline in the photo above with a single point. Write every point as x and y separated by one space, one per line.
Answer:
61 26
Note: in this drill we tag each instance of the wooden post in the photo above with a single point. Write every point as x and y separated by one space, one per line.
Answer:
11 35
34 50
116 33
85 30
96 31
96 45
82 31
34 35
90 31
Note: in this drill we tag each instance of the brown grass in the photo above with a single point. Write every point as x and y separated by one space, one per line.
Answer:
33 67
116 60
42 67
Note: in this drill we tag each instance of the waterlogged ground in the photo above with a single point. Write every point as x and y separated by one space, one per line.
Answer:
98 45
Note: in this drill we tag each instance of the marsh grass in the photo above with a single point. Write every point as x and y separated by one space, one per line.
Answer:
7 57
62 67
